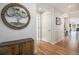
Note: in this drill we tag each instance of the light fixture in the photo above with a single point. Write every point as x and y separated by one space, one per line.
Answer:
69 6
40 10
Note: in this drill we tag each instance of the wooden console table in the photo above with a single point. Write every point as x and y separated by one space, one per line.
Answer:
17 47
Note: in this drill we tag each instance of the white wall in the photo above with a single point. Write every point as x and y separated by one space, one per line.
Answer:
74 17
58 30
8 34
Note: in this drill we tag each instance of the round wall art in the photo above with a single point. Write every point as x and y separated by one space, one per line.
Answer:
15 16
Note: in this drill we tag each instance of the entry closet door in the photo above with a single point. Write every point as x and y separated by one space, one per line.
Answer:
46 26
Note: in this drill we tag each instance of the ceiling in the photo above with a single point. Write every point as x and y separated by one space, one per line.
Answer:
63 7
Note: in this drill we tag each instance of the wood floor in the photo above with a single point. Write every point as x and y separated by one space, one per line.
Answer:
62 48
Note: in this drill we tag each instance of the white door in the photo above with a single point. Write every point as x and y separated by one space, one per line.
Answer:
46 26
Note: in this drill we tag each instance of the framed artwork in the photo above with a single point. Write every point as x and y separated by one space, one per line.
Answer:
58 20
15 16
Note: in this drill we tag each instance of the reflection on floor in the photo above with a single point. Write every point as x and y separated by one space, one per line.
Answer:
65 47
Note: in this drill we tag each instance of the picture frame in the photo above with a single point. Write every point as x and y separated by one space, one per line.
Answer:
58 20
15 16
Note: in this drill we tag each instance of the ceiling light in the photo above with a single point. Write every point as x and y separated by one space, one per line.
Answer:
69 6
40 10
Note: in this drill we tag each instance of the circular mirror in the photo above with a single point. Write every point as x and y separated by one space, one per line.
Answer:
15 16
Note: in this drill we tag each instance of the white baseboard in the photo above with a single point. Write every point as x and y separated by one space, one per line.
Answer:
56 41
53 42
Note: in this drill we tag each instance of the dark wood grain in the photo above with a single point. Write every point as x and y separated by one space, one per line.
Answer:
17 47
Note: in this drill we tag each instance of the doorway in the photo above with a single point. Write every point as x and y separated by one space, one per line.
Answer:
44 26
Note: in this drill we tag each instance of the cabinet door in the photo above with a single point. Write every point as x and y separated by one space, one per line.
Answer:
5 50
26 48
14 49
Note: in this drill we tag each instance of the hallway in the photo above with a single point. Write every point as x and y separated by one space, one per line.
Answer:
58 29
